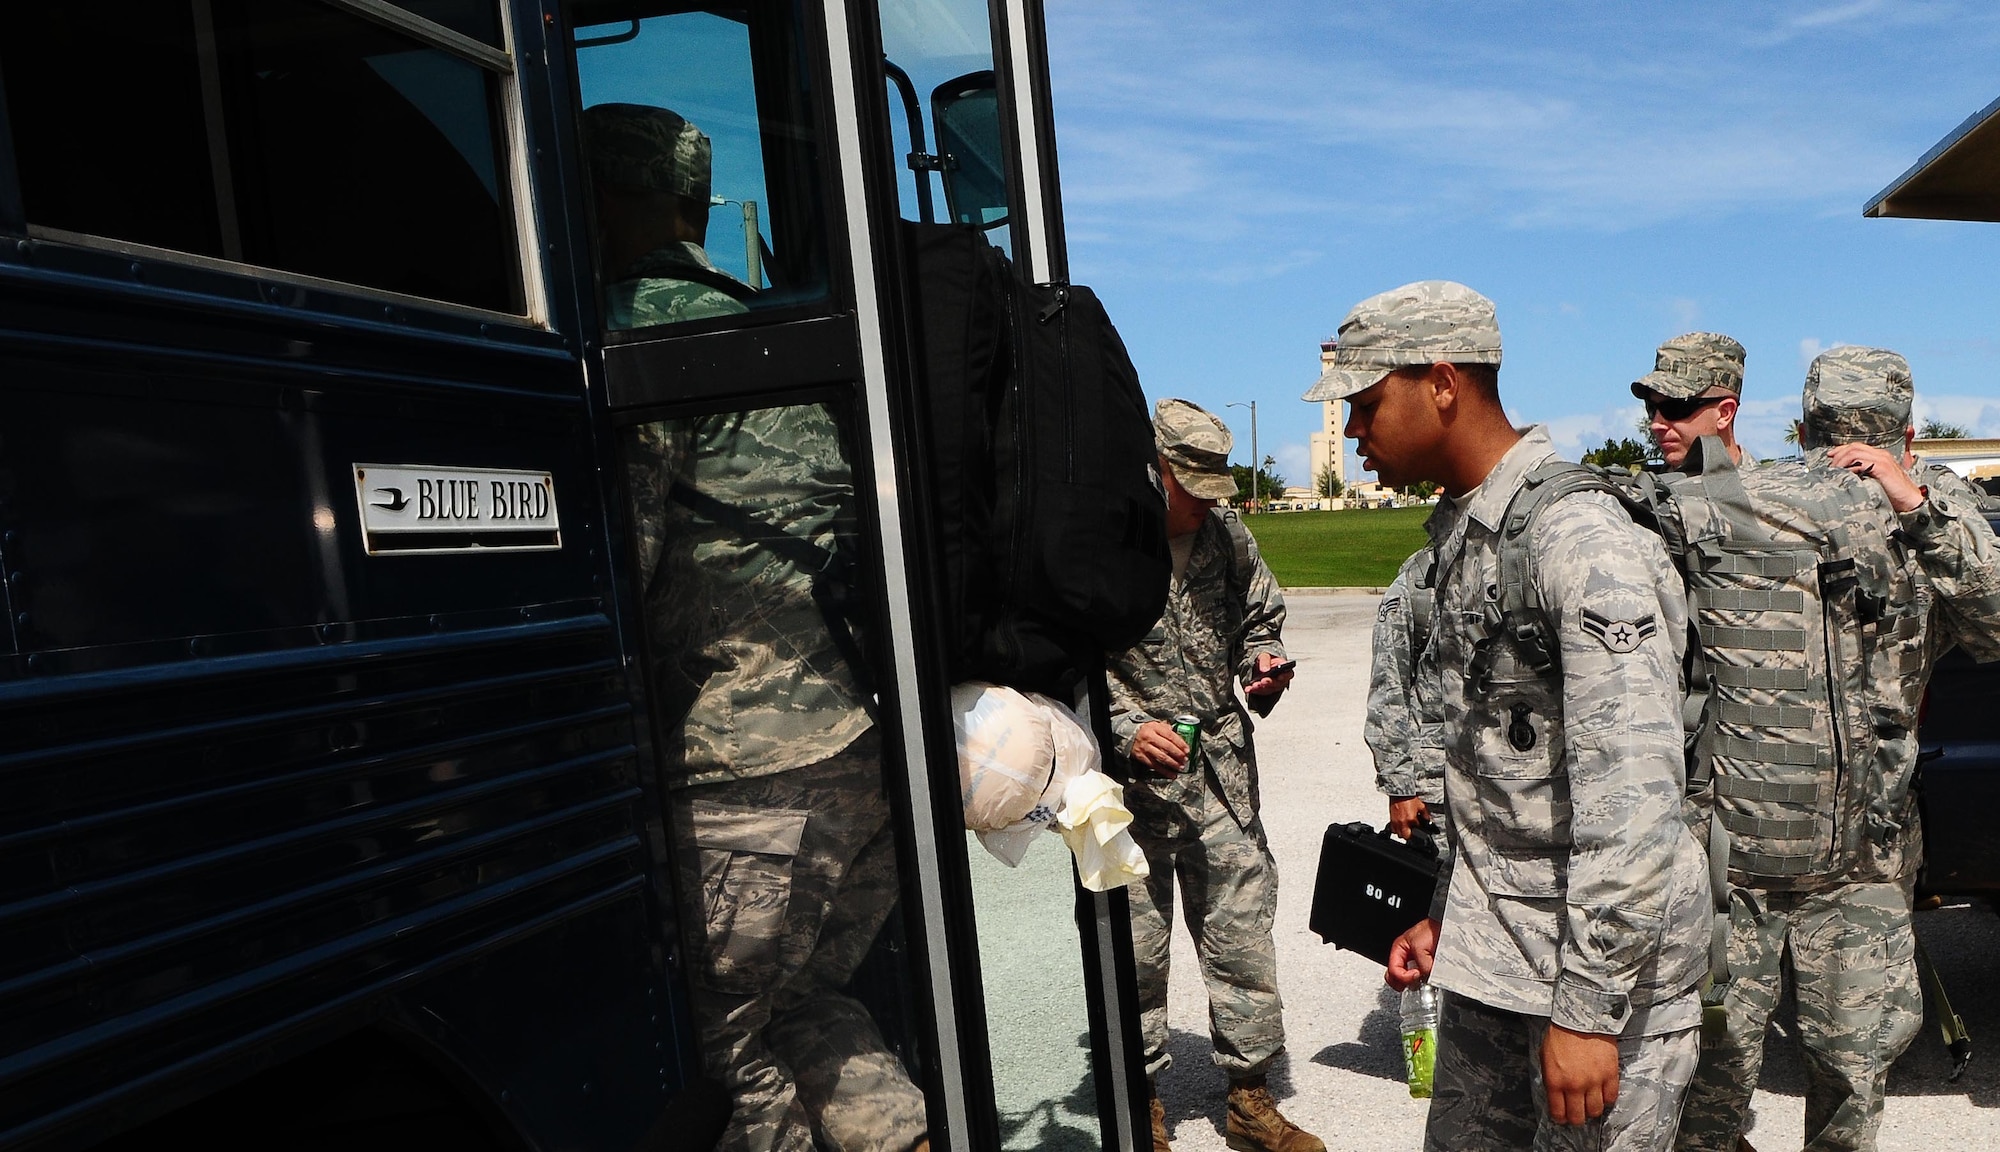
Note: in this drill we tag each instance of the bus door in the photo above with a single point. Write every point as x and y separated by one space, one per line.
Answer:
857 972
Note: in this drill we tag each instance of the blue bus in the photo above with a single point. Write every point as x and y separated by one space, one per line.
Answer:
372 689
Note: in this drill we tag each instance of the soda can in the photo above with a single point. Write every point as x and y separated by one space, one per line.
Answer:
1189 729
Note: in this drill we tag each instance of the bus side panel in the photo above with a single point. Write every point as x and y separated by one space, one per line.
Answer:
263 785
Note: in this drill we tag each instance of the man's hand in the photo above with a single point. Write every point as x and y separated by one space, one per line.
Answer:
1405 813
1580 1071
1160 748
1882 467
1264 684
1411 956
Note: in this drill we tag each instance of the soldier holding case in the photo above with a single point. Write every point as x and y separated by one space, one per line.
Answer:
1195 808
1571 927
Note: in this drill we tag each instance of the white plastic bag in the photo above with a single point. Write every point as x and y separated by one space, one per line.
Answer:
1006 754
1028 764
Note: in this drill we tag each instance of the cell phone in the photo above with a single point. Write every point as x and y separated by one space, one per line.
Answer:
1281 669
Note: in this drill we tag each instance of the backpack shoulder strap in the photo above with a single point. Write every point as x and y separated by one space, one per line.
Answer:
1240 551
1423 602
1515 609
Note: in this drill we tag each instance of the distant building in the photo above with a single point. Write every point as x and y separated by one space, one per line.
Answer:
1973 459
1326 448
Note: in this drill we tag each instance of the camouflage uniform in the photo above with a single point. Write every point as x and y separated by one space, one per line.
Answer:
1403 726
1201 827
1847 938
655 290
637 147
1575 894
783 841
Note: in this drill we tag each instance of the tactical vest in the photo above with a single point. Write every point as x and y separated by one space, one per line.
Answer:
1795 681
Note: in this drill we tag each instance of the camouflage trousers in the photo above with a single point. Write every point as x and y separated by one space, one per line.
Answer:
1229 892
1488 1094
790 878
1852 956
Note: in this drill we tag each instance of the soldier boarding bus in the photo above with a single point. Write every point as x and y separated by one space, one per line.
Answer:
472 670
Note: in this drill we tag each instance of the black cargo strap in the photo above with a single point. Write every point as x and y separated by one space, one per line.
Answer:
832 576
1952 1030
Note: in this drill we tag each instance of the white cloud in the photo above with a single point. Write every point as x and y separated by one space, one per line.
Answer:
1581 432
1979 415
1295 464
1687 314
1809 350
1761 425
1198 122
1836 14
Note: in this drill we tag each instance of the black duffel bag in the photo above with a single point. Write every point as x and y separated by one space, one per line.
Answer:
1371 888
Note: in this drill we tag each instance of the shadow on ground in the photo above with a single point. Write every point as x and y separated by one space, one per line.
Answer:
1378 1050
1064 1124
1194 1089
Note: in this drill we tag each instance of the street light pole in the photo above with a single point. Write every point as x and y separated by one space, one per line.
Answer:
1255 495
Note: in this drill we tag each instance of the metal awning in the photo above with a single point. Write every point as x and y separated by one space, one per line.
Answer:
1957 180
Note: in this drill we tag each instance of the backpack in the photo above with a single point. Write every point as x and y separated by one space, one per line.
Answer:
1794 625
1784 719
1044 487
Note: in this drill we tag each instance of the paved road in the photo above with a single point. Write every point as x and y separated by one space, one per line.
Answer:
1343 1077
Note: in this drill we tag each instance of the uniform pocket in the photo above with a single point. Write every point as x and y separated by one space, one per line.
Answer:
1523 795
746 857
1519 736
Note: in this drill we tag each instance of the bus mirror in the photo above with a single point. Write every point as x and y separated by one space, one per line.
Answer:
966 115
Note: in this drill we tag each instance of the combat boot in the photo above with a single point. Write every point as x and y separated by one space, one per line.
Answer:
1160 1127
1256 1125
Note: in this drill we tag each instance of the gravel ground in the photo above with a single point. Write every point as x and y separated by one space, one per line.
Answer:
1343 1076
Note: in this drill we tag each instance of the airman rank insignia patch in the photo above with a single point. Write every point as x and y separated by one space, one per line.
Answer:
1618 635
1389 605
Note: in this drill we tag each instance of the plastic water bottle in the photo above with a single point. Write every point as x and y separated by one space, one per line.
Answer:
1420 1026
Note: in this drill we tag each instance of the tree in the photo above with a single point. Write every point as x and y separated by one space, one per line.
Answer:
1624 452
1422 489
1327 483
1935 429
1269 484
1792 434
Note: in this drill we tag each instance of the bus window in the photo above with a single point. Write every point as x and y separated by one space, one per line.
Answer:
940 65
356 143
702 159
760 647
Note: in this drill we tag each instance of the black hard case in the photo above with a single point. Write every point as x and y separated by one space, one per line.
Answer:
1371 888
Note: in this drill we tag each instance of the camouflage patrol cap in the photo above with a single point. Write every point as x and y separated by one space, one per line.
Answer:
1857 394
651 149
1691 364
1197 445
1422 323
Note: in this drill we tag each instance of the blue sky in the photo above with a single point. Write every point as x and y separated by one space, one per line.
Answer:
1236 177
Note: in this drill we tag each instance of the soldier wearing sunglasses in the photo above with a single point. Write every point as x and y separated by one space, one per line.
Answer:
1693 391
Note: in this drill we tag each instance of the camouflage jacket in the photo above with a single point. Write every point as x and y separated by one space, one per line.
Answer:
746 678
1958 586
1929 577
1574 889
1402 727
1191 663
650 291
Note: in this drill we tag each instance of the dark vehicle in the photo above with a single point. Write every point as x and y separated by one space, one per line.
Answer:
340 753
1959 774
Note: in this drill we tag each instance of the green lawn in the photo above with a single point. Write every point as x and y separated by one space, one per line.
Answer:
1359 547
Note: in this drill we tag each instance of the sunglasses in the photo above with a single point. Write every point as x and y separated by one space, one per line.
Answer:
1677 410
